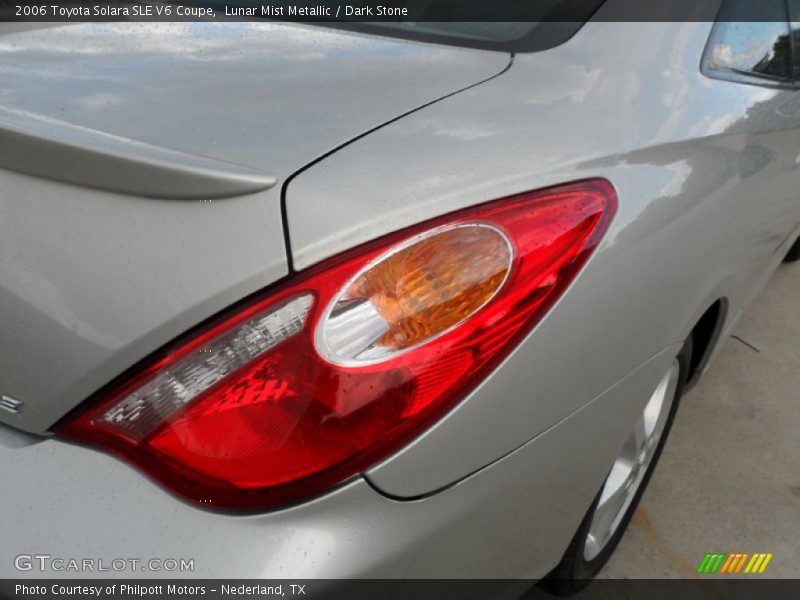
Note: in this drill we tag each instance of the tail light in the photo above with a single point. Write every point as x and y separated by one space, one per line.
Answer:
330 371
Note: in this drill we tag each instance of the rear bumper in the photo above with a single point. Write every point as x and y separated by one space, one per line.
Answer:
512 519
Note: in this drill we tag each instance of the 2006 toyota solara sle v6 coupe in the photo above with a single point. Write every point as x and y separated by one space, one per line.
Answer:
294 300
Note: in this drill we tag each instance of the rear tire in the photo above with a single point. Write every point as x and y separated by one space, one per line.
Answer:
588 552
794 253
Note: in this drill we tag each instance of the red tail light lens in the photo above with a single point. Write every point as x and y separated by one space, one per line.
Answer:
337 367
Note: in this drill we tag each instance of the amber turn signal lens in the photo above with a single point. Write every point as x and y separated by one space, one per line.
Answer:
415 292
248 411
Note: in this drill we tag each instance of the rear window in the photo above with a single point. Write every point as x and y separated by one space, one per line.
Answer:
552 22
467 32
794 18
464 24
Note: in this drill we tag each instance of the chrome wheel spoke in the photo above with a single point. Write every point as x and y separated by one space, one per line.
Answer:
618 481
640 437
631 465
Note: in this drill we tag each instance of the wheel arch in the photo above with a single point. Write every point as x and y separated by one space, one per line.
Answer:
706 333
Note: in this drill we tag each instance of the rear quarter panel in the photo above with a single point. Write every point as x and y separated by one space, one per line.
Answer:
706 173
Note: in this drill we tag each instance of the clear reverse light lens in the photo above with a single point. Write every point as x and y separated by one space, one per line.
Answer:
138 414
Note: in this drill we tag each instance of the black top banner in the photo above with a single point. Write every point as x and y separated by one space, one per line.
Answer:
380 11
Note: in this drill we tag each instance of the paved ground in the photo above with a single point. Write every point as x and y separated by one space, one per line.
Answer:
729 477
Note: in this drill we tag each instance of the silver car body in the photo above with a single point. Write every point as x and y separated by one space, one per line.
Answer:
364 135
